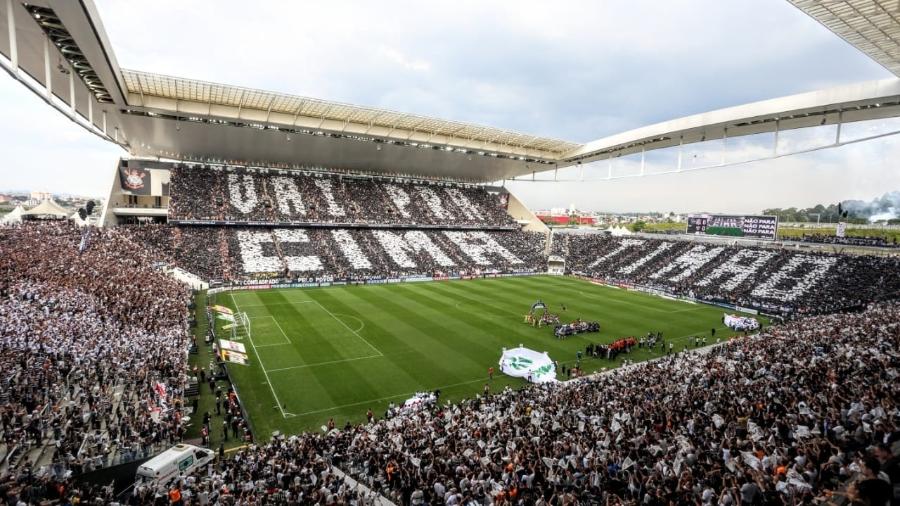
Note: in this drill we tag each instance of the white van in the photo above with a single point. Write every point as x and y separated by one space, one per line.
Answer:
176 462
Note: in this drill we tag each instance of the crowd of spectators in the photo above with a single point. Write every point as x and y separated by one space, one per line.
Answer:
233 254
784 281
93 348
804 412
354 254
94 341
876 242
275 196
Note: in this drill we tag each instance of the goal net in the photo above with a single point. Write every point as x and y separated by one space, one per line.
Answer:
241 329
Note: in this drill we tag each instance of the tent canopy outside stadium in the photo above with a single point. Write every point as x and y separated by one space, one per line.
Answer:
47 208
12 217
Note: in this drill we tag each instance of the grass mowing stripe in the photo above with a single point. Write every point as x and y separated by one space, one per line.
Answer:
389 338
406 394
327 347
286 339
319 364
470 342
348 328
431 334
261 366
428 322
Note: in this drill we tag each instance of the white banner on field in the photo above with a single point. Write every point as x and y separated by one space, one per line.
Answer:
225 344
740 323
522 362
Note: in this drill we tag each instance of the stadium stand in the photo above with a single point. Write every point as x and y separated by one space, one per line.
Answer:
778 418
93 347
872 242
318 198
235 254
94 336
778 281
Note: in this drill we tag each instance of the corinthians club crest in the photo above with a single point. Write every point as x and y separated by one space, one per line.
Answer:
134 179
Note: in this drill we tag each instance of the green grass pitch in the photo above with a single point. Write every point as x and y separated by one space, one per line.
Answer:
336 352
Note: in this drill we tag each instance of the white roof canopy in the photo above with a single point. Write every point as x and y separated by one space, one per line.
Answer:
200 97
60 51
872 26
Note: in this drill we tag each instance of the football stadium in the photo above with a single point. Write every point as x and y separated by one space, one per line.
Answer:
290 300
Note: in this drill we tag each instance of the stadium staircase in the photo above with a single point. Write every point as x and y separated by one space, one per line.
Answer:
224 254
278 250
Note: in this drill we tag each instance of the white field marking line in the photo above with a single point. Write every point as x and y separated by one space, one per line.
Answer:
276 303
389 397
263 367
272 345
286 338
362 325
330 362
348 328
630 303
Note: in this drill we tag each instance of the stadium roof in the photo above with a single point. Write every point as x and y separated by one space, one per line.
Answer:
150 90
872 26
59 50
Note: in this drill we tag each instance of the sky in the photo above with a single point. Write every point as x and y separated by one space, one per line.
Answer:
576 70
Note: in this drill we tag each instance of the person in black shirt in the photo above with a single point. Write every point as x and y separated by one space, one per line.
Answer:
871 489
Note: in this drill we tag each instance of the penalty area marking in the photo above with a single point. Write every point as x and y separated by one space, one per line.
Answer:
330 362
362 325
276 303
363 339
287 340
263 367
286 414
388 397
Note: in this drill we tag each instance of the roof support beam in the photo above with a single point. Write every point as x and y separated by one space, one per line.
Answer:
680 152
724 145
241 104
837 134
322 118
775 144
72 89
11 25
269 108
48 78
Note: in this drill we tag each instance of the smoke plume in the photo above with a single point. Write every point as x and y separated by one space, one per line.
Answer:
885 207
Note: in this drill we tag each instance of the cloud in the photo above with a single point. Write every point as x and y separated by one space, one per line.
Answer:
573 69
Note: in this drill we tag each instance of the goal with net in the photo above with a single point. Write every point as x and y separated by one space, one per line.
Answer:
241 328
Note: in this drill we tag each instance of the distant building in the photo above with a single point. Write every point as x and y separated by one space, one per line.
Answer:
561 217
40 196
